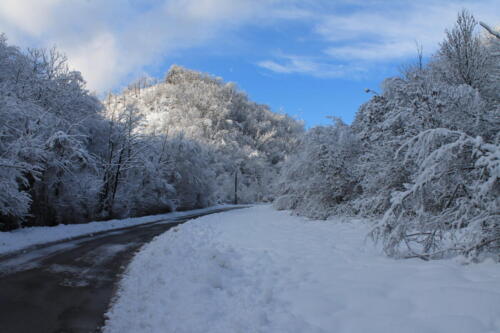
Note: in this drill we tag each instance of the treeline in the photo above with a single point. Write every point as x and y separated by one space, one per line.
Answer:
422 156
66 157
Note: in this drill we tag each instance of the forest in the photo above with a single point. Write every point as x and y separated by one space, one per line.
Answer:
67 157
422 157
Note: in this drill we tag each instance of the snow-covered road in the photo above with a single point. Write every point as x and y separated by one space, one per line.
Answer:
25 238
259 270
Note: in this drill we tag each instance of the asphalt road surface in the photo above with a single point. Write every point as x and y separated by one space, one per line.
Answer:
68 286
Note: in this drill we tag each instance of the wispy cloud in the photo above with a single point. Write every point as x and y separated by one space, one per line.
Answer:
359 35
293 64
382 31
381 51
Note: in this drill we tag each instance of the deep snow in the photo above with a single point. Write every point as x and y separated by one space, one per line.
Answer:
22 238
260 270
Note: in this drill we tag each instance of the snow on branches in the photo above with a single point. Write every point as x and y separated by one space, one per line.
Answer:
452 204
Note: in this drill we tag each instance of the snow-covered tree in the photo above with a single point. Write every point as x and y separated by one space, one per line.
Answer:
322 177
66 189
452 203
464 56
41 101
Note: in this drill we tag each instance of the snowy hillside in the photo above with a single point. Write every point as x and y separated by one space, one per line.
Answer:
235 132
259 270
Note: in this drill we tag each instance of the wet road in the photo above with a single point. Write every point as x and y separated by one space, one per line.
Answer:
67 287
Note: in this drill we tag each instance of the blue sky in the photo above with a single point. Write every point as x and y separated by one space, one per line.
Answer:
308 58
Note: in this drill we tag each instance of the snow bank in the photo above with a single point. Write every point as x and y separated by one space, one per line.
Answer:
259 270
22 238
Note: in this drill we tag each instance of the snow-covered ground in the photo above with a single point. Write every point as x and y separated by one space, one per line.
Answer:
22 238
260 270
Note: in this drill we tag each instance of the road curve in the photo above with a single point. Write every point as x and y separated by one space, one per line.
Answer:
67 286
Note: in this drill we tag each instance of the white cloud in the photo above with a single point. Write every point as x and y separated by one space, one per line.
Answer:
110 41
32 17
384 32
99 60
